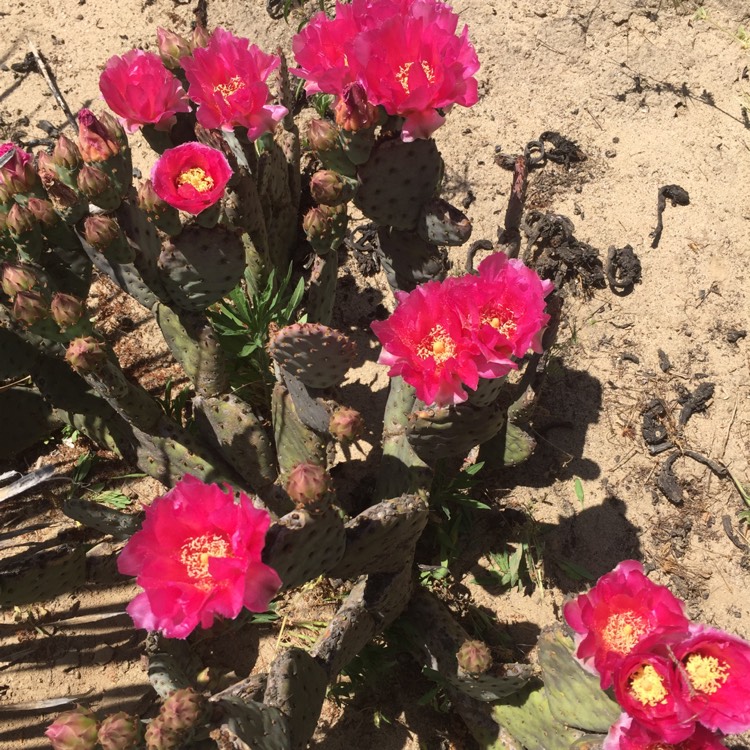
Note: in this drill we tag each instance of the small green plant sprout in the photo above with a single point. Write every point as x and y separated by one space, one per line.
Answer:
177 406
578 488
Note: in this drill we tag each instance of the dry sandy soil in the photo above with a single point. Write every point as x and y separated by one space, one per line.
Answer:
655 92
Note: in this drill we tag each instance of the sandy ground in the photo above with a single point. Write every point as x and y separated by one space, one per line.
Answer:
655 93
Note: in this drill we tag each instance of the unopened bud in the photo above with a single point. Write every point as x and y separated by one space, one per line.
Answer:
308 485
85 354
474 657
166 217
73 730
172 47
160 737
346 424
62 197
15 279
17 173
182 709
43 212
20 221
92 182
65 154
322 135
325 227
330 188
113 128
200 37
94 141
119 731
352 111
30 308
101 231
66 310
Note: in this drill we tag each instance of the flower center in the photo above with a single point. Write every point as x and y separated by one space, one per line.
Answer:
436 344
225 90
646 685
706 673
196 177
403 74
500 318
195 554
623 631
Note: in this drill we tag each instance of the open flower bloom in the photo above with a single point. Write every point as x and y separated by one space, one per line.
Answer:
647 688
415 65
228 83
426 342
198 555
627 734
16 172
619 613
715 678
140 90
191 177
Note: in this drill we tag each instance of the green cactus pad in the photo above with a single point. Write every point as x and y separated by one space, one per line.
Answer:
302 546
316 354
397 180
519 445
381 539
200 266
439 432
589 742
119 525
296 685
31 417
37 576
486 688
527 717
574 695
409 260
252 725
17 356
443 224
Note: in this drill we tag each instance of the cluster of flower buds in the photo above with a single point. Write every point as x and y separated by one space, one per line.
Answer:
80 730
679 683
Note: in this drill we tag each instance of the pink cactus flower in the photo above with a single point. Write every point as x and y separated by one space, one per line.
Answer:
140 90
191 177
17 172
647 688
228 83
627 734
425 342
618 614
415 65
715 678
198 555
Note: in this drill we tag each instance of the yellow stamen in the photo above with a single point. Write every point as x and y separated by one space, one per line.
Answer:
196 553
403 74
623 631
706 673
198 178
500 318
225 90
436 344
646 685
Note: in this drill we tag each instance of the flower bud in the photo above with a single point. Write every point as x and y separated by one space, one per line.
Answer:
113 128
325 227
308 485
94 141
474 657
166 217
20 221
65 154
43 212
119 731
69 204
322 135
160 737
85 354
172 47
100 231
92 182
30 308
330 188
73 730
17 173
352 111
346 424
15 279
182 709
200 37
66 310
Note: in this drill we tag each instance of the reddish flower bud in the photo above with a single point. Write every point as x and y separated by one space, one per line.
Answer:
160 737
20 221
330 188
166 217
92 182
101 231
346 424
66 310
325 227
200 37
85 354
61 196
474 657
30 308
43 212
119 731
17 172
73 730
352 111
182 709
172 47
17 279
65 154
114 128
308 485
322 135
94 141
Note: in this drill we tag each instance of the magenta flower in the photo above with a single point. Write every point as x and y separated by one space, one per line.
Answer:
627 734
715 678
228 83
619 613
198 555
191 177
427 343
647 687
415 65
17 173
139 88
